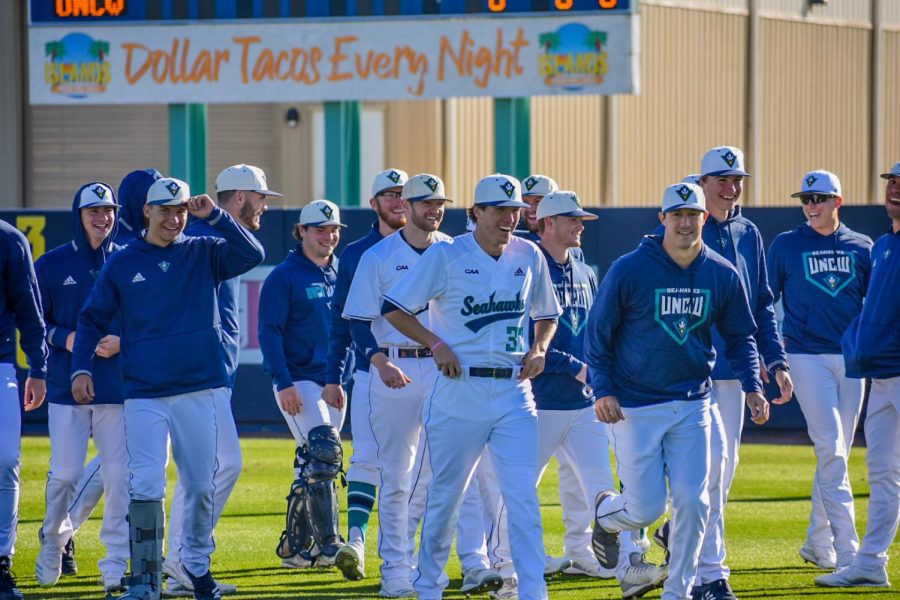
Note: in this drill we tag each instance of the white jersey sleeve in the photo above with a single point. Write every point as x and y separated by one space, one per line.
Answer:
364 298
427 280
544 304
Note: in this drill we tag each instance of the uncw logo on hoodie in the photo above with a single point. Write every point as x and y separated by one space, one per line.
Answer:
681 310
830 270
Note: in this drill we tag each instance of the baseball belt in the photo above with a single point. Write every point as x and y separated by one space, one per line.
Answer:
394 352
492 372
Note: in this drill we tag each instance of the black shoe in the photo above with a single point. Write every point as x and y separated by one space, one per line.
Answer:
718 590
205 587
8 589
604 543
661 537
697 592
69 566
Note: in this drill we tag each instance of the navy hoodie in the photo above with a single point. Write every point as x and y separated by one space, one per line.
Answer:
556 388
132 197
525 234
294 316
66 276
871 344
229 312
171 338
649 332
339 335
822 281
20 303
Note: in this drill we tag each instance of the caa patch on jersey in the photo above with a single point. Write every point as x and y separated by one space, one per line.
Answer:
830 270
681 310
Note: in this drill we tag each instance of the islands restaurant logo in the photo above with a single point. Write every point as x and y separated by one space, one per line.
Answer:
77 65
573 56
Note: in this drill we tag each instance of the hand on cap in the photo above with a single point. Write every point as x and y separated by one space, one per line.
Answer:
201 206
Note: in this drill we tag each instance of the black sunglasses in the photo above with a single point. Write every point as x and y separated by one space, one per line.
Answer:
814 199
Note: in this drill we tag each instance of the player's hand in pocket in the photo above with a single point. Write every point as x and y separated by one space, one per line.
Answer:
290 401
608 410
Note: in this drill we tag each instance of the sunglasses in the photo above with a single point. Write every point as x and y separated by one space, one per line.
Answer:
814 199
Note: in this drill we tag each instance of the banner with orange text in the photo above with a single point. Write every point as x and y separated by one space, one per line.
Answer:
348 60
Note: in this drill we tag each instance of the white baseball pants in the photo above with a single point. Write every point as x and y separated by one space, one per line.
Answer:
882 428
652 442
364 460
462 416
229 465
191 420
831 403
10 457
314 413
71 427
88 492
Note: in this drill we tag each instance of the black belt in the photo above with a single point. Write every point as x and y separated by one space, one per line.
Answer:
492 372
408 352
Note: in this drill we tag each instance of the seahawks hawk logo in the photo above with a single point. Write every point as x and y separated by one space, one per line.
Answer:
432 183
393 176
173 188
729 158
684 192
99 191
508 188
575 199
164 265
326 210
530 183
810 181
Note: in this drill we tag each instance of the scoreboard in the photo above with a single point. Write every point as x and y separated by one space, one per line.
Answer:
47 12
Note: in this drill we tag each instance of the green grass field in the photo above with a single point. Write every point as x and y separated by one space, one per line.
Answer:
766 520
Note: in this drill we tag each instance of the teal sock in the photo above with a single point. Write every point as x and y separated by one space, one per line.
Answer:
360 500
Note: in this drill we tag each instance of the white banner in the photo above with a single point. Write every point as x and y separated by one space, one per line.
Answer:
349 60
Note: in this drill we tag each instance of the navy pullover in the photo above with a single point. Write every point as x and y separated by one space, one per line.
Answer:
293 319
66 276
871 344
556 388
339 336
649 331
525 234
166 298
229 312
20 305
822 281
132 196
739 241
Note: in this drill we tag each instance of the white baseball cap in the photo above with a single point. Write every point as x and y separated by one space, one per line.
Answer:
692 178
246 178
820 182
538 185
168 191
96 194
563 203
894 172
499 190
388 179
683 196
424 186
320 213
723 160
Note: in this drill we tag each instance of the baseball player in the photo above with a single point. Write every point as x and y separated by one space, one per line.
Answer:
650 353
737 239
405 371
871 349
822 268
567 426
143 285
362 476
477 290
293 321
242 192
66 275
20 310
89 489
534 188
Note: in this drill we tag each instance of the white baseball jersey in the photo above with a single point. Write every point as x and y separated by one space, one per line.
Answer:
380 268
477 303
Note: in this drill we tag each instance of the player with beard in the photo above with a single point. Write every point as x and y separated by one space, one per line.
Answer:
362 476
